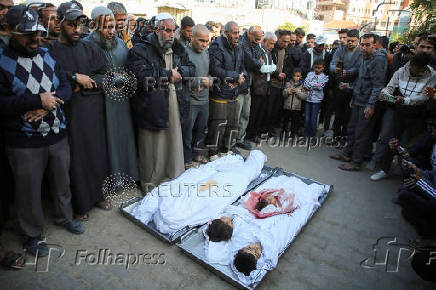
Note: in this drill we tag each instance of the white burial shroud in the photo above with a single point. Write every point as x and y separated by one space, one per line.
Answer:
274 233
189 201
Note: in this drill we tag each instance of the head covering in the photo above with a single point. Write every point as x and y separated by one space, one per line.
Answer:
163 16
31 3
320 39
100 10
69 11
23 19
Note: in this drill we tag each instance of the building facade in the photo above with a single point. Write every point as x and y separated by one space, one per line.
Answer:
379 16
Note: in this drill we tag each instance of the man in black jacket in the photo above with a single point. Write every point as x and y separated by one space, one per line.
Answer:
161 103
282 58
227 66
312 54
295 50
253 60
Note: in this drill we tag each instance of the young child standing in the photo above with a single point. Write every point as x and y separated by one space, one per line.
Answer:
314 82
294 93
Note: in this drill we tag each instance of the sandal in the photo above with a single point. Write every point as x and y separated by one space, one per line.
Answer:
13 260
341 157
83 218
349 167
201 159
104 205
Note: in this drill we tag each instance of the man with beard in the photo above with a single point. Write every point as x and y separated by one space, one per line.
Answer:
85 66
119 126
371 80
161 103
120 14
344 69
295 50
7 258
260 89
328 104
33 89
47 13
253 60
281 57
227 65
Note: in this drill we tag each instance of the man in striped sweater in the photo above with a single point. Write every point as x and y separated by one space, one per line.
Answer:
417 196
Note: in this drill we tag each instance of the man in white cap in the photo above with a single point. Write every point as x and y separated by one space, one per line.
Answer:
161 103
312 54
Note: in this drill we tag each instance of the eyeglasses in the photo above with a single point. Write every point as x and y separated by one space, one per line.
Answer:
425 47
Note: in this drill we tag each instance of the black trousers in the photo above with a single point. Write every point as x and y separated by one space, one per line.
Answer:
327 107
419 210
359 135
296 119
258 112
274 108
223 125
342 113
28 167
7 184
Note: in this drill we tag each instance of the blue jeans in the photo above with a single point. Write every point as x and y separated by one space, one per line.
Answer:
311 119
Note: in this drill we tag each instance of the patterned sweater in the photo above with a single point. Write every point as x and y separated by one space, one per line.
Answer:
22 79
315 84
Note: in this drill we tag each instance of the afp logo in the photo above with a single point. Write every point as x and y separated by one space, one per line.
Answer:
42 264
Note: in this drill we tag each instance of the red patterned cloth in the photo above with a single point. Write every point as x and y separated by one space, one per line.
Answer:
285 202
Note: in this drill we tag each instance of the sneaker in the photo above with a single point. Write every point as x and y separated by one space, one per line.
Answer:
36 247
244 145
379 176
75 226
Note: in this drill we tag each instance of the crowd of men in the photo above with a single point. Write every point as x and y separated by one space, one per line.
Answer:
200 91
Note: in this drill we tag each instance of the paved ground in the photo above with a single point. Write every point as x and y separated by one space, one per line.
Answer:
327 254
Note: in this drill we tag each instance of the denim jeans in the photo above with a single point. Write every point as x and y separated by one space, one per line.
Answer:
311 119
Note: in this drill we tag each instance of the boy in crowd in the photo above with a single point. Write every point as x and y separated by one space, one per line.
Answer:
294 93
315 83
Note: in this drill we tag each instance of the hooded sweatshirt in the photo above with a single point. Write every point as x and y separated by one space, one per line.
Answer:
412 88
371 80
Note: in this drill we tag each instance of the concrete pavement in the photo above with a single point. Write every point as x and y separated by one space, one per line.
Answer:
326 255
